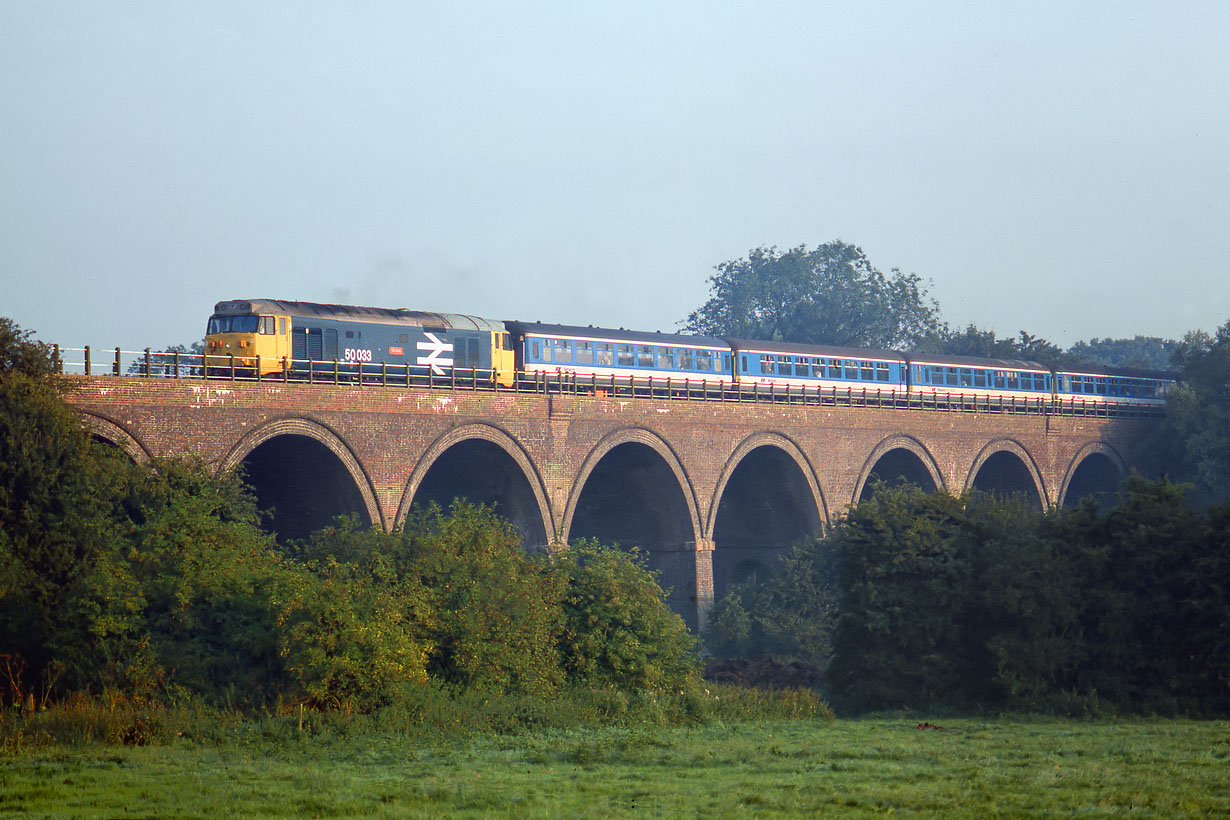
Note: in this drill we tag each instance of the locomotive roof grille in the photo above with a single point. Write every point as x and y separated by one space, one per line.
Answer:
356 313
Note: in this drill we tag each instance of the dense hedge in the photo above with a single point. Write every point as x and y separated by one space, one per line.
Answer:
922 600
156 583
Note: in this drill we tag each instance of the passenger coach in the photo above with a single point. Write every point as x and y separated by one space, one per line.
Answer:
624 356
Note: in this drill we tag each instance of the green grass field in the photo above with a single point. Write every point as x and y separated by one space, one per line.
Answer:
850 768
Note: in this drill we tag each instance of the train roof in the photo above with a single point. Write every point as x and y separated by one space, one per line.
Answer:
1018 364
356 313
1109 370
834 351
978 361
620 335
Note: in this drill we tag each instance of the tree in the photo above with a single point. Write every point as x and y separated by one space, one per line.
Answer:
974 341
903 635
21 353
1192 442
831 294
62 591
618 630
1141 352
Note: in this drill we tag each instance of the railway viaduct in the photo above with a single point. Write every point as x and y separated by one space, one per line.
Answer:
710 490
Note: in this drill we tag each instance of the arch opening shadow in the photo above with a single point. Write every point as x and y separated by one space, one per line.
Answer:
1003 475
1097 477
632 498
112 447
766 507
897 468
482 472
301 486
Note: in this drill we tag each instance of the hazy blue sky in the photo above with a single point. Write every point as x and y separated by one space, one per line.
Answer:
1062 167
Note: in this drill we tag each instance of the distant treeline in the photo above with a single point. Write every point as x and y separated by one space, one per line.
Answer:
833 294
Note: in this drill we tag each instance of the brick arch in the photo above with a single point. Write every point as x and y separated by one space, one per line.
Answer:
1084 452
485 432
753 442
105 428
318 432
898 441
638 435
1008 445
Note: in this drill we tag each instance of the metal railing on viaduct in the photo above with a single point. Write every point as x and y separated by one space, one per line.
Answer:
711 482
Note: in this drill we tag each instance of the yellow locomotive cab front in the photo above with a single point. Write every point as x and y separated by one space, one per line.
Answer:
244 341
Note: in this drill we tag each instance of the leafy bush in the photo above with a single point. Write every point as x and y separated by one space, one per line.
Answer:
906 577
617 629
791 615
63 590
497 614
353 637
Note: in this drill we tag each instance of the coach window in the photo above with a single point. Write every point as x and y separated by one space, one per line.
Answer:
536 351
666 358
604 353
882 371
704 361
625 355
561 349
644 356
980 378
585 353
